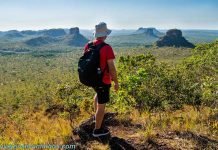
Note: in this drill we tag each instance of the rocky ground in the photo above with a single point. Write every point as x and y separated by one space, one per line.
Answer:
127 136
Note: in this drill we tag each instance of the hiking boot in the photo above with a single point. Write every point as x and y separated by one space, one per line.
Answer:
100 132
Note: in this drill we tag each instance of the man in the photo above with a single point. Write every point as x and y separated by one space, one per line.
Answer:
102 95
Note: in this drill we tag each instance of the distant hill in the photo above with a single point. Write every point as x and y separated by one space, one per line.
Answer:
13 34
40 41
149 31
53 32
29 32
77 37
174 37
73 38
139 37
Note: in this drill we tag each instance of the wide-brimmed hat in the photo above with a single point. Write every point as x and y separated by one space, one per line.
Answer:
101 30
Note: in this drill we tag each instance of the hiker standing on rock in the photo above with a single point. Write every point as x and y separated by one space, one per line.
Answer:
97 70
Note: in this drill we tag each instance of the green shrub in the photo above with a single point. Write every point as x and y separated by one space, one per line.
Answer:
148 85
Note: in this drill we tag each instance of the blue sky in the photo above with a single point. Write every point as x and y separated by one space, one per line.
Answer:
118 14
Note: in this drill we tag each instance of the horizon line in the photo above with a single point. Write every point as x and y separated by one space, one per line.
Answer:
40 29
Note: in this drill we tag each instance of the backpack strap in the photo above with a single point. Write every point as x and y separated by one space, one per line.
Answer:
90 44
99 47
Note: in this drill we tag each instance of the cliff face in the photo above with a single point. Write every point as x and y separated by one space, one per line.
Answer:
75 38
174 37
74 30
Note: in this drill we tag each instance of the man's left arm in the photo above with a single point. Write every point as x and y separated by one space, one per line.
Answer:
113 73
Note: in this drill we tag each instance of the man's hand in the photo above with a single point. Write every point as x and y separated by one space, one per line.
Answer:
116 87
113 73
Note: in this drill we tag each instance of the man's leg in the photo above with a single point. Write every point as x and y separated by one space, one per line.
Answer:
99 116
95 102
101 99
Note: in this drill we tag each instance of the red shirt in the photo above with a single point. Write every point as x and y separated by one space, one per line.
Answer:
106 53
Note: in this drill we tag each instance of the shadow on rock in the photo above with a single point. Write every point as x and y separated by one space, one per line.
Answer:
202 141
120 144
84 131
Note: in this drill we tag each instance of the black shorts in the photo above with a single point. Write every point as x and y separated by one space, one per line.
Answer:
103 93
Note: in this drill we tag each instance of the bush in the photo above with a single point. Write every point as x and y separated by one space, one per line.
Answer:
148 85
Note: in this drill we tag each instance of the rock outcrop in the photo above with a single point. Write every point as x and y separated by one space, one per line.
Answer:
148 31
174 37
75 38
74 31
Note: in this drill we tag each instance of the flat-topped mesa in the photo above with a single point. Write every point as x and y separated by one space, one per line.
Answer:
148 31
74 30
74 38
174 33
174 37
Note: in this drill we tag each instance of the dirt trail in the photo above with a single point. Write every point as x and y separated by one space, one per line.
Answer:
124 136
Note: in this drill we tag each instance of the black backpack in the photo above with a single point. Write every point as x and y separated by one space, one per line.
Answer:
90 73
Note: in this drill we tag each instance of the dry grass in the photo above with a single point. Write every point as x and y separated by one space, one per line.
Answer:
37 128
187 119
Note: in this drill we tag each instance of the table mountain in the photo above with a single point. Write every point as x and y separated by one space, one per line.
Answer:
74 38
149 31
174 37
